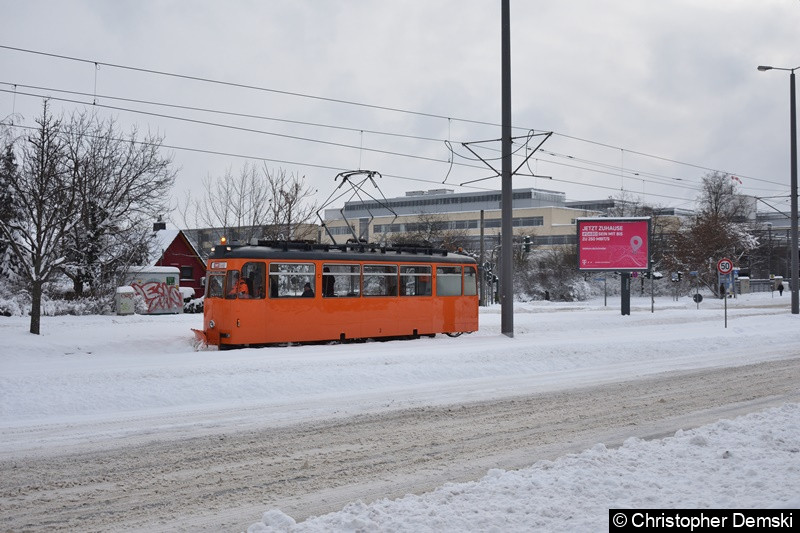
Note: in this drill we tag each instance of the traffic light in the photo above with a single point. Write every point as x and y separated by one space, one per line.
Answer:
527 244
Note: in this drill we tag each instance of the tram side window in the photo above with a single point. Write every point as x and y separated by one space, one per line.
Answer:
470 281
254 275
214 286
380 280
415 280
448 281
340 280
288 280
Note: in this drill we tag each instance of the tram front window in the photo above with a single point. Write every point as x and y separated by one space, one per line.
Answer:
215 285
470 281
236 286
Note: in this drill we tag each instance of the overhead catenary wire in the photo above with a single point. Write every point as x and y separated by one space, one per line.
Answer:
239 85
230 126
626 172
393 176
254 157
360 147
423 180
225 113
361 131
345 102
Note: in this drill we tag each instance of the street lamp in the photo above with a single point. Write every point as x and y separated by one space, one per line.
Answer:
769 257
793 193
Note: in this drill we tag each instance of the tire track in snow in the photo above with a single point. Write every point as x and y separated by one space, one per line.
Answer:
224 482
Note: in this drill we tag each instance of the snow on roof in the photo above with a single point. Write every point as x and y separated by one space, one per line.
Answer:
150 269
126 289
161 241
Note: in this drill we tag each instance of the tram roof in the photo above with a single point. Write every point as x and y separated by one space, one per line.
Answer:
347 252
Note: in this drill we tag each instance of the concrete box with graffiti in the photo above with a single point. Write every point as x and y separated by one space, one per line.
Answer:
158 287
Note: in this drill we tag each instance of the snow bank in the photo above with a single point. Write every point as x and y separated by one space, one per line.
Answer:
751 462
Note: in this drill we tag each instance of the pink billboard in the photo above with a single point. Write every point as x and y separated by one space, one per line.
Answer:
613 243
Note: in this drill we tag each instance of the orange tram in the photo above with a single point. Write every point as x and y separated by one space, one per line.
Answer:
280 292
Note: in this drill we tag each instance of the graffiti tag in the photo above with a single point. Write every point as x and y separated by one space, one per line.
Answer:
159 296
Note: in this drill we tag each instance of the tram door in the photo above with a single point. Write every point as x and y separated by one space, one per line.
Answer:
448 289
214 303
245 291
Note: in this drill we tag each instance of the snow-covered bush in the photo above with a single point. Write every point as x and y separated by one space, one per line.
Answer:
194 305
16 301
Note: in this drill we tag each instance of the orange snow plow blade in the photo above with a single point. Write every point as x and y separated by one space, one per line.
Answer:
201 341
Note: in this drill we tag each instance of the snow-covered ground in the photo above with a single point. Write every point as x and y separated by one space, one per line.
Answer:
89 379
752 462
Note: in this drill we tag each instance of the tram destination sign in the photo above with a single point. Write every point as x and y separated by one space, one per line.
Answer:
613 243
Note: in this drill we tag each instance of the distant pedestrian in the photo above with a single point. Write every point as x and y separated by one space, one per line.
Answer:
780 289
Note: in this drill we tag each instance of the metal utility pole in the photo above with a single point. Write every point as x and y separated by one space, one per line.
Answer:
793 184
482 268
506 206
793 152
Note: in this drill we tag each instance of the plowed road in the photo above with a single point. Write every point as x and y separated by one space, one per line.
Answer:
224 482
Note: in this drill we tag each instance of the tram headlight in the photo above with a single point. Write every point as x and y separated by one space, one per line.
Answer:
211 324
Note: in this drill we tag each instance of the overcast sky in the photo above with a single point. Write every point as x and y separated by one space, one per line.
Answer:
642 96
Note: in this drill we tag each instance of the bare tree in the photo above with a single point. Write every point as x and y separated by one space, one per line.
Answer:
431 229
121 184
552 274
290 206
627 204
44 208
719 229
254 203
720 198
705 240
230 202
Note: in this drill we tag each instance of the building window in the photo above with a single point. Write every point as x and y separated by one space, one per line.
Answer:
529 221
187 272
340 230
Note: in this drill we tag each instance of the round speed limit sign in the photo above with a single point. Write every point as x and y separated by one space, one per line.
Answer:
725 266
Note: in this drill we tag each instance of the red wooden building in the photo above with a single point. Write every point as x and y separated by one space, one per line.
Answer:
173 248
